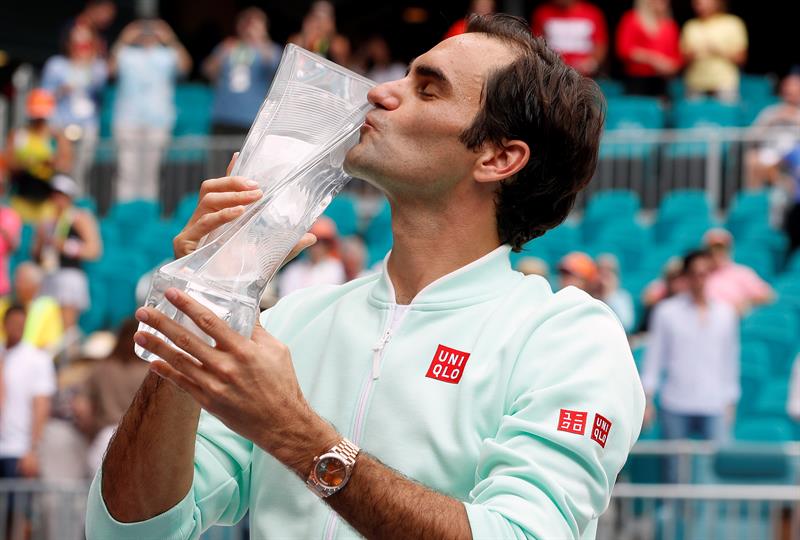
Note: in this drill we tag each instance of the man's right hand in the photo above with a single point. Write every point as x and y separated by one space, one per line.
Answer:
221 201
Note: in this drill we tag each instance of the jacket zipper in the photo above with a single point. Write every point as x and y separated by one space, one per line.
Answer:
395 317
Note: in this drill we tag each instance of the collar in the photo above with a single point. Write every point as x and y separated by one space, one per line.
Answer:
479 281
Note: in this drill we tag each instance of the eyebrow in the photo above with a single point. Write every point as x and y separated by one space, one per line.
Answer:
431 72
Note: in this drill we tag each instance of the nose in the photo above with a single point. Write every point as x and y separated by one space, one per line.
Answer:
385 95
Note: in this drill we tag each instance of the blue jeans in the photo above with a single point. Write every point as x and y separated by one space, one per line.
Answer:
690 426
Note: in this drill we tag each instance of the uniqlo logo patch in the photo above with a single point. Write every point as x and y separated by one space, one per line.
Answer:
600 429
447 365
572 421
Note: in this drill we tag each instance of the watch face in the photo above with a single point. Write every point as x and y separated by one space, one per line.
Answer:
331 471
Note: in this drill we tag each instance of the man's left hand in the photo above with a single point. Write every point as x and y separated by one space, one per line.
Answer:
249 384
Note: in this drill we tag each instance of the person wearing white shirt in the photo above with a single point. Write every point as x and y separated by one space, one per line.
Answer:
694 343
28 384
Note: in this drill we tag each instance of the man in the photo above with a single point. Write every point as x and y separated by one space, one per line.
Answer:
576 30
43 325
28 384
735 284
695 340
494 408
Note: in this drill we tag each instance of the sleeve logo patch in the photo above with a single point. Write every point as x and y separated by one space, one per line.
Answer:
572 421
602 426
447 365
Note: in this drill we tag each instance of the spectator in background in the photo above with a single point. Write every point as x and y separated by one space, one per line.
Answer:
77 81
793 400
34 153
318 34
476 7
776 128
241 69
790 166
28 385
576 30
715 46
534 266
670 284
379 65
577 269
610 292
648 46
112 384
97 16
730 282
43 324
147 59
62 245
322 264
10 227
694 342
354 258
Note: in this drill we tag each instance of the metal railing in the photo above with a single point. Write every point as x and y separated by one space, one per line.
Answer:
650 162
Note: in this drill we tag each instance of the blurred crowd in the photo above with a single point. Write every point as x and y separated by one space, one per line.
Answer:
61 394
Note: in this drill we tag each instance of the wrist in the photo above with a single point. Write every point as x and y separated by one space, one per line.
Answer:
300 442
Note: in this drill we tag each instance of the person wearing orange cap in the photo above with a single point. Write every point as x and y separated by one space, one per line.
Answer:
730 282
577 269
34 153
322 266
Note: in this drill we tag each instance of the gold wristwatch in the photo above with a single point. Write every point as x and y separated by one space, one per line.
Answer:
332 470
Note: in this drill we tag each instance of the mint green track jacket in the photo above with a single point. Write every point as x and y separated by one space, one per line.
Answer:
488 387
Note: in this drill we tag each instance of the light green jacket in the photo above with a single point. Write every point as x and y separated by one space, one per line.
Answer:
509 430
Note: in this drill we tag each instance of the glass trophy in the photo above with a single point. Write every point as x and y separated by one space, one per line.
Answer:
295 150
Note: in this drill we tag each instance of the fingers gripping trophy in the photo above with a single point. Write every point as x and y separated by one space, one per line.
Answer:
295 153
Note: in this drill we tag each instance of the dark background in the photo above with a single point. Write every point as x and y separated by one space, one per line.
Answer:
29 30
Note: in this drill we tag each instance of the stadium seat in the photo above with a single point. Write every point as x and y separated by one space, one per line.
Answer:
193 104
705 114
610 88
772 241
757 257
752 107
760 430
554 244
777 327
185 208
23 252
749 209
119 271
631 113
128 217
755 87
679 207
606 208
378 235
344 213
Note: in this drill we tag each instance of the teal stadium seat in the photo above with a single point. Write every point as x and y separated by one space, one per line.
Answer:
679 207
777 327
608 207
772 241
23 252
343 211
704 114
754 87
185 208
752 107
378 235
749 209
632 113
610 88
128 217
118 272
757 257
553 245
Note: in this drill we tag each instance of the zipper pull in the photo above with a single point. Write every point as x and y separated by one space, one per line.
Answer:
377 351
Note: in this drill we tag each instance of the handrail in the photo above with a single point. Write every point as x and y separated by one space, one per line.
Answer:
726 492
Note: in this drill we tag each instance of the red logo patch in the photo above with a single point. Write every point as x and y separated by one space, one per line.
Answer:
602 426
572 421
447 365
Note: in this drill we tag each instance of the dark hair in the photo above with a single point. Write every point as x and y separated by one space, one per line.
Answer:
13 308
692 256
558 112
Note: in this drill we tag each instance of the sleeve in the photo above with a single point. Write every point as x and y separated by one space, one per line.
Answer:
625 32
219 495
656 352
45 383
733 387
549 470
52 74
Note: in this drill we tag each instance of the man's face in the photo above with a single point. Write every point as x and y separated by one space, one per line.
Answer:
698 272
14 324
410 142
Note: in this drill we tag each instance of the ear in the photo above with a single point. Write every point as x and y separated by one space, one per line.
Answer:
498 162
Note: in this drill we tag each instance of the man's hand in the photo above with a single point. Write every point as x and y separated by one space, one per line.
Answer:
222 200
28 465
249 384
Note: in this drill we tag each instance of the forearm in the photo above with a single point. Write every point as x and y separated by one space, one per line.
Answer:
381 503
149 465
377 501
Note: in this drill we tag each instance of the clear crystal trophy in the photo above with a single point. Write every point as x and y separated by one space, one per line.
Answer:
295 150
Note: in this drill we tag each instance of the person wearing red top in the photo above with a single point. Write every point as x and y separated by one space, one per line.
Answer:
648 43
576 30
476 7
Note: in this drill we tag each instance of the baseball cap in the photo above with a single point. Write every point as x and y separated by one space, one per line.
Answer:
64 184
579 264
40 103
